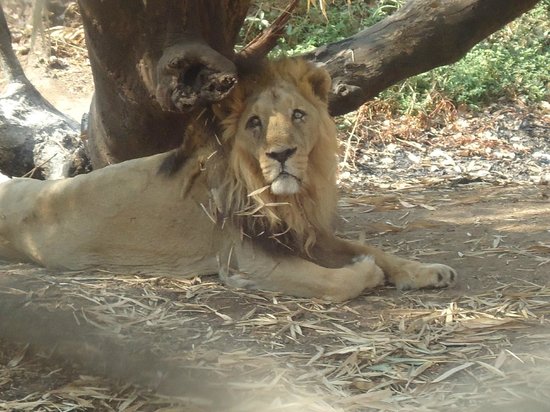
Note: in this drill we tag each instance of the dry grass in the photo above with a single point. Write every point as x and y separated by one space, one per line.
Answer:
221 349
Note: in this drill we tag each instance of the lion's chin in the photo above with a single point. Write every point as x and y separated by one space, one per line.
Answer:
285 185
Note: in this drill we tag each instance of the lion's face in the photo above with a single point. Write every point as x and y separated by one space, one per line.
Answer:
281 146
279 129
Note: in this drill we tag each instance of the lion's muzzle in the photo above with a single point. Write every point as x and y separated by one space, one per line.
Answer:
285 184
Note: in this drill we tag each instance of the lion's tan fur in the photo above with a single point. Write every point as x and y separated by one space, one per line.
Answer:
210 206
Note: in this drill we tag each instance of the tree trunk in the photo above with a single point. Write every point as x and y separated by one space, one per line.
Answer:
32 131
420 36
155 64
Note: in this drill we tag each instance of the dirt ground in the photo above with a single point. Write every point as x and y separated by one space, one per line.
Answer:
99 341
107 342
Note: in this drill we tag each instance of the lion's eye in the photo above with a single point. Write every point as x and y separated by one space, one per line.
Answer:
298 114
253 122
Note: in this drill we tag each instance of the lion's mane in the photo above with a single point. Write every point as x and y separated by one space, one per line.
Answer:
296 221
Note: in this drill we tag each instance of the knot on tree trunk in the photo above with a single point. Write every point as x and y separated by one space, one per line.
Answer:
191 75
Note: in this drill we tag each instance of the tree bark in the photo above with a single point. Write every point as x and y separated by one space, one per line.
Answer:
155 64
420 36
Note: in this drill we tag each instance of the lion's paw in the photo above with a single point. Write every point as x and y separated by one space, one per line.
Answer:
421 275
373 275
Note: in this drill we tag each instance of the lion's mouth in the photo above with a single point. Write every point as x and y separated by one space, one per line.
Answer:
285 184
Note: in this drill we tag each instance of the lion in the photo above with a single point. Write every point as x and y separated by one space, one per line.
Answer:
252 196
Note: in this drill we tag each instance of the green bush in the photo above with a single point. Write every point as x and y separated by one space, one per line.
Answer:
344 18
513 63
309 28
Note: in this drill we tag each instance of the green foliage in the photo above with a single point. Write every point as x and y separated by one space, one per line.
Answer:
344 18
511 64
309 28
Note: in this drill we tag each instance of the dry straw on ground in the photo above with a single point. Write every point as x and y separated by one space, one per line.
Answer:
220 349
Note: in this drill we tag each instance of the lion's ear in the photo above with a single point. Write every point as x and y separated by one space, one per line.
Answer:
320 82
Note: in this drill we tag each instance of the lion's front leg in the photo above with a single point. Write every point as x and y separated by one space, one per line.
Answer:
409 274
295 276
403 273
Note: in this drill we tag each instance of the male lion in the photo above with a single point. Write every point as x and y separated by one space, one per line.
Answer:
251 196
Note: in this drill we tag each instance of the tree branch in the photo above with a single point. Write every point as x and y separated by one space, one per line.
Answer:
8 60
262 44
420 36
31 136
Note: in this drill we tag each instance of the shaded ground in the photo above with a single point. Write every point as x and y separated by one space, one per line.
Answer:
468 190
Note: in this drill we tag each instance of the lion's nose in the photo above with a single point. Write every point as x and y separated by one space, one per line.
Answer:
281 156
